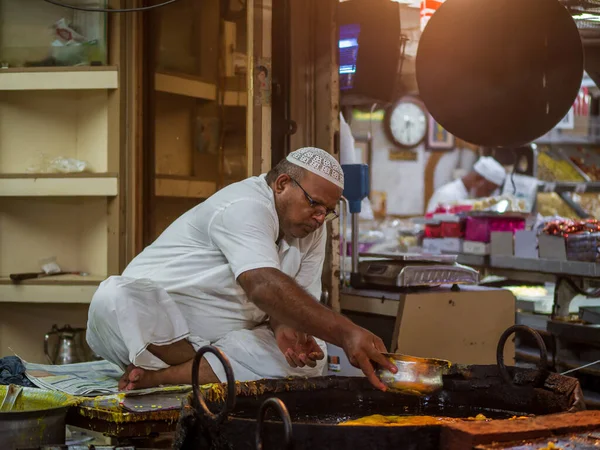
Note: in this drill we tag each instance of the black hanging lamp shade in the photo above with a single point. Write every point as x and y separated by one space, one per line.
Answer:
499 73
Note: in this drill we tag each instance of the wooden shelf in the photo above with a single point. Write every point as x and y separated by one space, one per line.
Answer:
183 187
74 230
58 289
186 86
59 78
58 280
191 87
59 185
40 125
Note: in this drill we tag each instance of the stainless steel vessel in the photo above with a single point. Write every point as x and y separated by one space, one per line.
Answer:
37 418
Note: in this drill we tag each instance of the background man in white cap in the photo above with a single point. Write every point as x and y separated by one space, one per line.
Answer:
240 271
487 176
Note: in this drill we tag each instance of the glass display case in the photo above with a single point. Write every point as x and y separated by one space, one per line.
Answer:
35 33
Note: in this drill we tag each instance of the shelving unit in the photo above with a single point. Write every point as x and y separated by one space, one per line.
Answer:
58 78
59 185
199 107
67 289
191 87
61 149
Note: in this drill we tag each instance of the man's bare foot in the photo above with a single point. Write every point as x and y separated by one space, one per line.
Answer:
137 378
125 378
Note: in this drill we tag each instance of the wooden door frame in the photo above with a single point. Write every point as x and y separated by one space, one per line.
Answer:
135 117
314 104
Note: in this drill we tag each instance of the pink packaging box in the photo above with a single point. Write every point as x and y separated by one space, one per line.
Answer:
479 229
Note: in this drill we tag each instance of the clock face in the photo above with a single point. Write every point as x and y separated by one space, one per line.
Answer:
408 124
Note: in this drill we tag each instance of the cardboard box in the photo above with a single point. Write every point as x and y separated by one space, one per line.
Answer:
502 243
552 247
526 244
452 245
476 248
433 246
577 247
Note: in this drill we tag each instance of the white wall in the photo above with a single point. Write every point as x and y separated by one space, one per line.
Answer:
404 181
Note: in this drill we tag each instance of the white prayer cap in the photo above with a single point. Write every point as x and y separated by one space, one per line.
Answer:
491 170
318 162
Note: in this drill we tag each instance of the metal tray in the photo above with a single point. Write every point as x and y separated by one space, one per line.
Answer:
494 214
413 257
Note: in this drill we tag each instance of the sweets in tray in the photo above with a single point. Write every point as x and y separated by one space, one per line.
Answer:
549 204
591 170
550 169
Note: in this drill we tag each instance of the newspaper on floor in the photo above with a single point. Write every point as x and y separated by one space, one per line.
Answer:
87 379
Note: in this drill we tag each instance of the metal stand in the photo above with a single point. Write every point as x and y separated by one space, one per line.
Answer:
355 243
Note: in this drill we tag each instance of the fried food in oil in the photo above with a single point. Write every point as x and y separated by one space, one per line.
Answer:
407 421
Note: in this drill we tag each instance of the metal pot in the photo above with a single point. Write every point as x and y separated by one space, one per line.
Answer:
37 418
70 347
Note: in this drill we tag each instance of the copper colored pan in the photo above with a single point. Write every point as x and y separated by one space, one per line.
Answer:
499 73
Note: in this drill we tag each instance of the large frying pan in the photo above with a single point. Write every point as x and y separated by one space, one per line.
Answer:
499 73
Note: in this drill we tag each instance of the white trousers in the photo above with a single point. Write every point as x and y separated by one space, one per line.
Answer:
127 315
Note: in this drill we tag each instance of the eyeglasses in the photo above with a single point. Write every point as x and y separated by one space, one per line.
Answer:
321 209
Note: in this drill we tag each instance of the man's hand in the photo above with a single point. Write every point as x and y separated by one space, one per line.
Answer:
299 349
285 301
362 347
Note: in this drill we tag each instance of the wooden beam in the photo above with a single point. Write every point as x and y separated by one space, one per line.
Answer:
432 162
326 123
134 146
116 157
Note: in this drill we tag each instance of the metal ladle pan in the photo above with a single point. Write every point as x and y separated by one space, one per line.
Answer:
499 73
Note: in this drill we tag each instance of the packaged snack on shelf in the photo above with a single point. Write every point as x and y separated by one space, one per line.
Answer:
453 229
572 240
479 229
433 230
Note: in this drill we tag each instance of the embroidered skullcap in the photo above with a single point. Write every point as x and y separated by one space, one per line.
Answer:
318 162
491 170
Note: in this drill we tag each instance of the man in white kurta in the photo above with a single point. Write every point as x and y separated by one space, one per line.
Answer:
486 177
186 285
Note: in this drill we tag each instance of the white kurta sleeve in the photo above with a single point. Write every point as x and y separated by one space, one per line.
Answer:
311 267
245 231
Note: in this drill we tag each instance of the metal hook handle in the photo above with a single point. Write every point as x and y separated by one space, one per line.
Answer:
280 407
543 364
199 402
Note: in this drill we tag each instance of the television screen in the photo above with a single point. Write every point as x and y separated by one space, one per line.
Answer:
369 51
348 48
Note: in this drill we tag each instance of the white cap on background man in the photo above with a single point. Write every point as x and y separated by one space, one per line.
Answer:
491 170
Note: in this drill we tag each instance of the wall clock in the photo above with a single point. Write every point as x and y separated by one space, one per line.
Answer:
406 122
